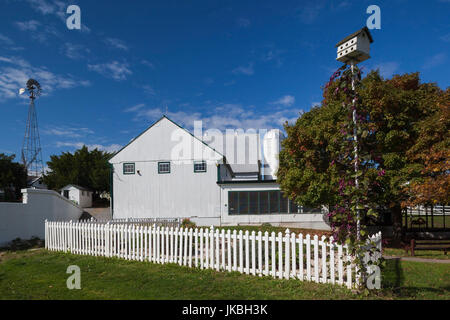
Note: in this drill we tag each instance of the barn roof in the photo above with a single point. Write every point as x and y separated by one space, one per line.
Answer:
164 117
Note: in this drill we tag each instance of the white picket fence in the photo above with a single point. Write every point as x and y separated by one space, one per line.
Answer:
278 255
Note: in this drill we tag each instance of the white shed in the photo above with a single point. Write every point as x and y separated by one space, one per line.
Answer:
80 195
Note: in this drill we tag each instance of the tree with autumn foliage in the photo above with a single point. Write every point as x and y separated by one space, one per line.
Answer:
317 158
432 154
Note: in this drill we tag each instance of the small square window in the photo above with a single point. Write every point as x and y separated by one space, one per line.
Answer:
128 168
199 166
163 167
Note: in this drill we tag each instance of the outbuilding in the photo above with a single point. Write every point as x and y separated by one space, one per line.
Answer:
80 195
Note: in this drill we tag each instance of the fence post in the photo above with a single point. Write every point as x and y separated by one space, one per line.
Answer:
253 252
266 253
280 255
217 259
235 249
324 260
228 250
206 248
260 268
273 257
201 249
196 247
46 234
247 252
287 251
294 251
316 258
241 252
332 266
222 238
308 257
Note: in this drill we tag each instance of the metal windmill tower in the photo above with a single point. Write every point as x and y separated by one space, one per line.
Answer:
31 147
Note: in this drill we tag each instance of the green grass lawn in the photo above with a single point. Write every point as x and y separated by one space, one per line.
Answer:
39 274
426 254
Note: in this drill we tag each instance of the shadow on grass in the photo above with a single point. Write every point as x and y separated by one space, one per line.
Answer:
21 244
394 282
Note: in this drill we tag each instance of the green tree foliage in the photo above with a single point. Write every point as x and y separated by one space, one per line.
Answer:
392 110
89 169
13 177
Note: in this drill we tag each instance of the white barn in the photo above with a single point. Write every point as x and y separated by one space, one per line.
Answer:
80 195
168 172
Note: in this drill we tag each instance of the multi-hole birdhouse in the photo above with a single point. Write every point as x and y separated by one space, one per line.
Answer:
355 47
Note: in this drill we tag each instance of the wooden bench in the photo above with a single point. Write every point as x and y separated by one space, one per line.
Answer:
418 244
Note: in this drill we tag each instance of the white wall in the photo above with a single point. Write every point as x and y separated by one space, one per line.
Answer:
180 193
25 220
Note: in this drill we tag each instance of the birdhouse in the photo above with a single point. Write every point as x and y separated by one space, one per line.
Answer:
355 47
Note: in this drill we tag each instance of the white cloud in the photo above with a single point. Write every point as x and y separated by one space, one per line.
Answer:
108 148
15 72
134 108
223 116
116 43
242 22
74 51
309 12
446 37
114 70
247 70
286 100
435 61
5 40
64 131
387 69
149 89
148 63
31 25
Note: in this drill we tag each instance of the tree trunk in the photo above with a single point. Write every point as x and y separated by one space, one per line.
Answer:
396 210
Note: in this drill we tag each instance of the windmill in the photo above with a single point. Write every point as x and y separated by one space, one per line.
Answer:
31 147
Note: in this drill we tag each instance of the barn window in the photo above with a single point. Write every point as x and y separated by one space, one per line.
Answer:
199 166
163 167
262 202
128 168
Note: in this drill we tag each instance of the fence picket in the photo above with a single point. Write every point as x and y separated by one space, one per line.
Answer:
316 258
253 253
332 266
260 268
280 255
266 253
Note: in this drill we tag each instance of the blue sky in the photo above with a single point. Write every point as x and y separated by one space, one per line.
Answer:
232 64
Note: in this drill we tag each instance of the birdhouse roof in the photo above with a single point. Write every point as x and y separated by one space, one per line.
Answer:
365 29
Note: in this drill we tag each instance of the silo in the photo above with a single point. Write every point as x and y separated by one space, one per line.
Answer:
271 145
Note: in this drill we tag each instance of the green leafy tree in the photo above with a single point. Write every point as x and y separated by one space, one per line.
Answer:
89 169
13 177
316 159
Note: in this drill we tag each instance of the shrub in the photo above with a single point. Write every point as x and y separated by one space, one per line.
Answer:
187 223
